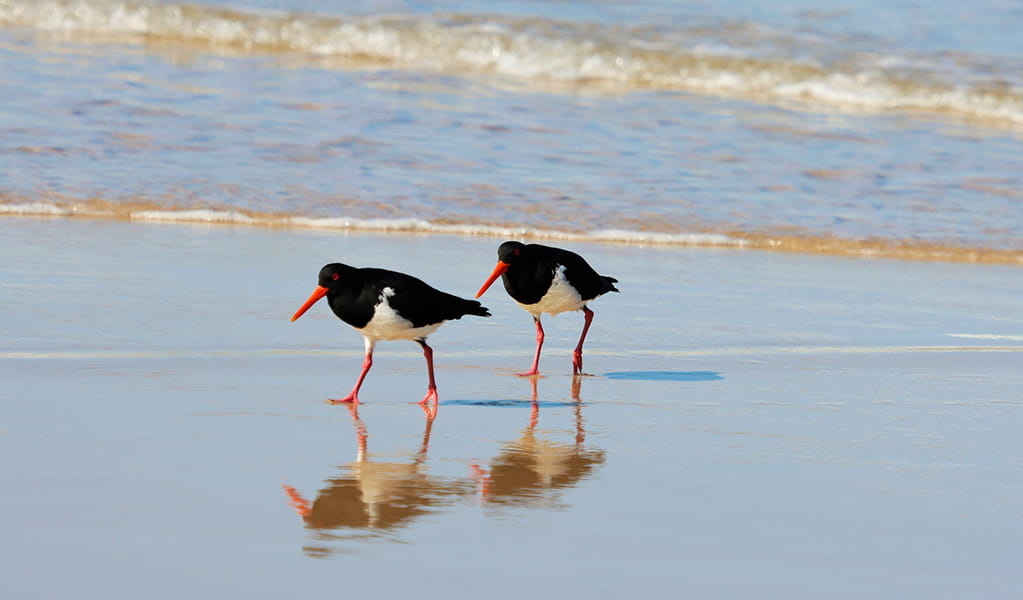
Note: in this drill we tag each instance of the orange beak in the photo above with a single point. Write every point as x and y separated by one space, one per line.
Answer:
498 271
318 293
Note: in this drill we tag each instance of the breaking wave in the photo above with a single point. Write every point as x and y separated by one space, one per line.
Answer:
741 61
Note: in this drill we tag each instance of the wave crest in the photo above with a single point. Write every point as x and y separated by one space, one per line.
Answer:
534 51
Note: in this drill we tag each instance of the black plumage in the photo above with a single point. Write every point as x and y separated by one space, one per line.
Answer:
387 305
354 294
532 268
544 279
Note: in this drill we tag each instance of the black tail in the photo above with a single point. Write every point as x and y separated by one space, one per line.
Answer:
467 307
609 284
475 308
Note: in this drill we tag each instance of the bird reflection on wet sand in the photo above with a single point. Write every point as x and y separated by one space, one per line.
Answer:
372 499
532 470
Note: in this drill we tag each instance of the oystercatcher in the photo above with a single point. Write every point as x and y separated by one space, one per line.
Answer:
387 305
542 279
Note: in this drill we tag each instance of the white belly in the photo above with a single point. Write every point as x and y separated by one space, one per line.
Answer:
386 324
561 297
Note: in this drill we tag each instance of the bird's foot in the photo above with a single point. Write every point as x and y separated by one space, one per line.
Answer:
577 364
431 396
429 403
352 399
533 371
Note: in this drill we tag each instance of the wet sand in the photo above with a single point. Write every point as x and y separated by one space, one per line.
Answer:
757 424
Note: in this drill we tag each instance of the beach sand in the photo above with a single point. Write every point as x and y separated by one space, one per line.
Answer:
758 424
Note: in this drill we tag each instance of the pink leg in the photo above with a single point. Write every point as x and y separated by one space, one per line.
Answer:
431 391
353 396
577 356
539 344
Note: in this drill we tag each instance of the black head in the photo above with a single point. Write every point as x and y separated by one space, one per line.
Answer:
332 274
509 251
332 277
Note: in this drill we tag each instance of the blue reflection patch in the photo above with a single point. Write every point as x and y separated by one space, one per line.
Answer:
665 375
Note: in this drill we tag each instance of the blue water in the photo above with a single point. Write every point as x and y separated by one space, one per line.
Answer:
665 375
897 123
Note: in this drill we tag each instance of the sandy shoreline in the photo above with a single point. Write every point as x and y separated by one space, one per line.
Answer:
787 240
758 424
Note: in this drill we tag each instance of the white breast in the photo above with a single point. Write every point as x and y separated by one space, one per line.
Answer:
387 324
561 297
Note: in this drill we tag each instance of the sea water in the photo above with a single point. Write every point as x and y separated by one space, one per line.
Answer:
879 127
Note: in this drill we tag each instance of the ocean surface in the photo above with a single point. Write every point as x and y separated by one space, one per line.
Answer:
879 128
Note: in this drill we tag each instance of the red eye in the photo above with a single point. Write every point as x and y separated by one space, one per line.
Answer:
515 252
335 277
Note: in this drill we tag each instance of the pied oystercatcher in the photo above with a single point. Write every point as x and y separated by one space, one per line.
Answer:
387 305
542 279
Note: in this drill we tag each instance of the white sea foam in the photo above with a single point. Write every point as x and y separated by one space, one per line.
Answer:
537 50
787 242
603 235
643 237
37 209
196 216
406 225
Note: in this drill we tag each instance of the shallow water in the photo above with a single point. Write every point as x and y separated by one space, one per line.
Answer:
874 128
757 424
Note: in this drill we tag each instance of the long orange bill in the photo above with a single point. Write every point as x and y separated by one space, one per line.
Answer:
318 293
498 271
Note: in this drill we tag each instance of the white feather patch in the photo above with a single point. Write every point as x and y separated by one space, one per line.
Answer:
387 324
560 297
